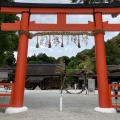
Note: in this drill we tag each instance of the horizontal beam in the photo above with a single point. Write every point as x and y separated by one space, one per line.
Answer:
115 95
111 27
115 106
111 85
48 5
4 105
108 10
6 84
5 94
10 26
18 8
49 27
61 10
13 10
62 26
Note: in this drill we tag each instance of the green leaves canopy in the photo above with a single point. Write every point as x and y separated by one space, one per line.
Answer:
41 58
8 39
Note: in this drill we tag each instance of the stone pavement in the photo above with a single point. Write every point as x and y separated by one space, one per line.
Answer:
44 105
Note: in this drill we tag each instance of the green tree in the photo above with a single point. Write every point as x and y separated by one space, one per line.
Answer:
10 59
72 64
70 73
52 60
32 62
43 57
32 58
40 59
113 50
96 1
87 57
65 58
8 39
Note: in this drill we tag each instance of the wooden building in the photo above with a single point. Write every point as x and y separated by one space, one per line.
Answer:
83 76
42 75
4 72
113 73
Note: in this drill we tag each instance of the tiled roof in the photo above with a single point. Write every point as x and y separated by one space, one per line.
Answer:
41 69
113 68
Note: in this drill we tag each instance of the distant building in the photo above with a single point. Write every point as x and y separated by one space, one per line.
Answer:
4 71
83 76
113 73
42 75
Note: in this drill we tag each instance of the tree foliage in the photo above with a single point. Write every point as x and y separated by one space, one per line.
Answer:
96 2
8 39
10 59
113 50
65 58
41 58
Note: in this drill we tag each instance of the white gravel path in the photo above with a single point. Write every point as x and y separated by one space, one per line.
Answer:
44 105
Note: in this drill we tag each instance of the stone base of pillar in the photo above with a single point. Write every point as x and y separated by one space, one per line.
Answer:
11 110
105 110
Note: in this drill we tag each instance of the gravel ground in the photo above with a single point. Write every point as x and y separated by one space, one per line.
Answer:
44 105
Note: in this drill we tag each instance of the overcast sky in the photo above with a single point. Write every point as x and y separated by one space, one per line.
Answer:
71 49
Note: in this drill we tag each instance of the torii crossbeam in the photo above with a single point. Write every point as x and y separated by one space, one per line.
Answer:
26 9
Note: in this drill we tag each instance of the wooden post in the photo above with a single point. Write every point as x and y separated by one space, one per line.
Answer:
20 75
103 88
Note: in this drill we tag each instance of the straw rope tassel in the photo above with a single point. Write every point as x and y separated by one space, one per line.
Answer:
49 45
79 41
62 42
37 44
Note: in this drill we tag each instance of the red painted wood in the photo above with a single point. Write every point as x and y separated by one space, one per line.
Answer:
5 94
19 10
103 88
115 106
20 75
4 105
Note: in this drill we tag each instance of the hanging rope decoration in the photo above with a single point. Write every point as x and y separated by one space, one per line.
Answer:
75 37
62 45
56 40
37 44
79 41
49 46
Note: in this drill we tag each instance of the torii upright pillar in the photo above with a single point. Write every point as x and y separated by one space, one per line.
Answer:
20 75
103 88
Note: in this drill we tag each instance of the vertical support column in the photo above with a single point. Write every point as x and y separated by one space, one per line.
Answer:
61 19
20 75
103 88
104 99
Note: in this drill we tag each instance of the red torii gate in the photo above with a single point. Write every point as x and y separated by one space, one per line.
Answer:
26 9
